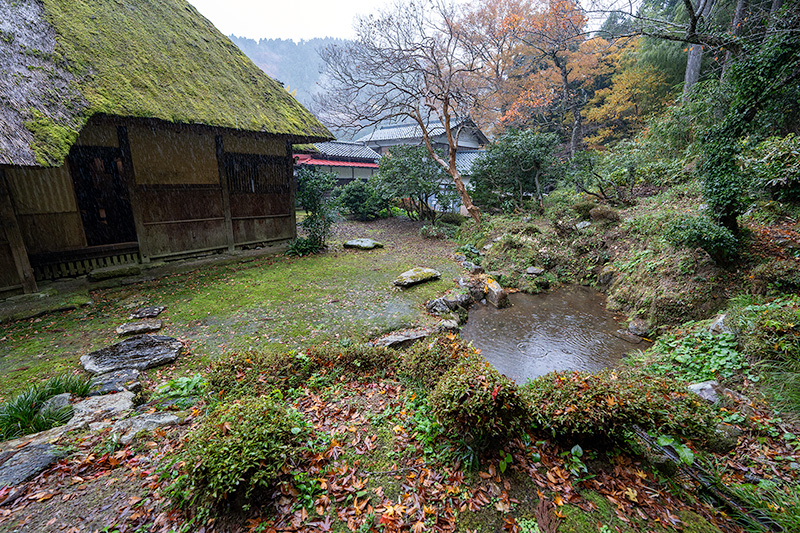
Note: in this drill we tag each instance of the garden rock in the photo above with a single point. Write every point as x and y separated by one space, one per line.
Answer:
707 390
19 466
724 438
139 352
56 402
534 271
606 275
100 407
150 311
438 307
638 327
627 336
495 294
472 268
446 326
402 339
363 244
718 326
130 427
147 325
416 275
583 225
116 381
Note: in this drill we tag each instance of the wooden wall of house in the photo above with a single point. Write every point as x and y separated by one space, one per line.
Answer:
265 215
179 195
48 215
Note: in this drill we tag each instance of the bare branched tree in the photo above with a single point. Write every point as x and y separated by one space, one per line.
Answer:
409 62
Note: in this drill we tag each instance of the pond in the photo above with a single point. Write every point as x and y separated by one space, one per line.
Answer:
567 329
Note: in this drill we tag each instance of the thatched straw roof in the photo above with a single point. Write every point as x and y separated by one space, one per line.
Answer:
64 61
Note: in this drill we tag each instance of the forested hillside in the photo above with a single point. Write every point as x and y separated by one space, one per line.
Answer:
296 65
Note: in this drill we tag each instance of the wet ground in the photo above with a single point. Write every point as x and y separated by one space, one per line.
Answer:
568 329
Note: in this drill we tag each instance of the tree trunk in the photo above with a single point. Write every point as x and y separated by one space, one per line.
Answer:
736 29
695 58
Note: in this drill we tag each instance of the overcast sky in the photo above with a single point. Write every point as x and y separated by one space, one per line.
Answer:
286 19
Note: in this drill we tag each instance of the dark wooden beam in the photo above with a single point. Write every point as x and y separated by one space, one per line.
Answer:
130 179
8 220
226 195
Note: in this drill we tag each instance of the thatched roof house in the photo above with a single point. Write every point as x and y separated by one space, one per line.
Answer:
133 130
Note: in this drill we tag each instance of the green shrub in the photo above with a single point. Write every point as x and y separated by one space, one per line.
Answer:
607 404
603 212
362 199
693 232
776 276
775 167
303 246
435 232
23 414
771 330
236 452
425 362
353 358
477 403
583 209
455 219
313 189
257 373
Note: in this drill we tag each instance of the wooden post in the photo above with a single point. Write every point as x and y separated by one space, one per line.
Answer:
130 179
8 220
292 189
226 194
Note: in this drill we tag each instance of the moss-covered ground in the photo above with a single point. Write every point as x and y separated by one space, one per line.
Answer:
271 302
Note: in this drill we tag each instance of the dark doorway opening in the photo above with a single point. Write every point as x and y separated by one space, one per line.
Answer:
102 195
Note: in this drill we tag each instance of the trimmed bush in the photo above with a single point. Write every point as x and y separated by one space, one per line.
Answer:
238 451
454 219
257 373
603 212
583 209
606 405
693 232
425 362
354 358
477 403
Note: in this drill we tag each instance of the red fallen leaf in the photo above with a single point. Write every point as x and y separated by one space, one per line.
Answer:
495 391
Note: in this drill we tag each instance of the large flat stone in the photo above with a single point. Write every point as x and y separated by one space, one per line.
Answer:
416 275
100 407
129 427
148 325
139 352
401 339
19 466
363 244
116 381
151 311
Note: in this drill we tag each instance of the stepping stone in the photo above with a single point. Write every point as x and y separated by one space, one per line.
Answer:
402 339
100 407
534 271
416 275
363 244
147 325
140 352
147 312
130 427
116 381
19 466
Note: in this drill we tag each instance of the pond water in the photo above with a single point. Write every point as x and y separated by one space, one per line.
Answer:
568 329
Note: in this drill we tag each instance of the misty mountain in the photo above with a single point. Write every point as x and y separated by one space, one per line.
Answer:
295 64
